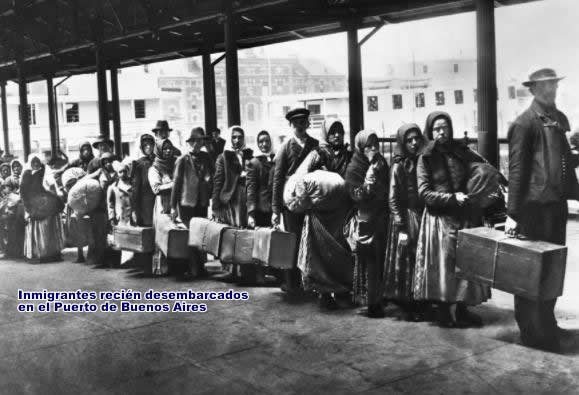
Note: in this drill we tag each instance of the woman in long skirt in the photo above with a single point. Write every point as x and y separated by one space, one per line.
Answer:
44 239
367 181
442 174
229 200
405 214
161 181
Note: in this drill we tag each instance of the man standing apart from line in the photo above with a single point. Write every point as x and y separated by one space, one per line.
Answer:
289 157
541 180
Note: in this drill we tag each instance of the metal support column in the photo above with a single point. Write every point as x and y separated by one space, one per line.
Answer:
5 118
54 143
24 119
116 112
487 81
231 68
355 83
209 100
102 93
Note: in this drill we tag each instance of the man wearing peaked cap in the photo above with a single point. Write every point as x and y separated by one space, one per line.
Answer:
541 180
289 157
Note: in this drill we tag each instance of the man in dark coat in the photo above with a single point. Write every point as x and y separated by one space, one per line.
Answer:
143 196
216 145
290 155
541 180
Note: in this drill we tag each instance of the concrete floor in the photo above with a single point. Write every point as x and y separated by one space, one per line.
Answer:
266 344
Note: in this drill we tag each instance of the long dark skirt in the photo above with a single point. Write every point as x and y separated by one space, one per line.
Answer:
401 259
44 238
324 257
435 278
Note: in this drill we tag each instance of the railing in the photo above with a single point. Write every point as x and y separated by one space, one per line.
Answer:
387 145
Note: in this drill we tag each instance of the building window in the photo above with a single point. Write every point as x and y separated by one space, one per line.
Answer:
439 96
512 92
372 103
140 109
419 99
455 67
458 97
71 112
31 114
397 102
475 95
425 69
315 109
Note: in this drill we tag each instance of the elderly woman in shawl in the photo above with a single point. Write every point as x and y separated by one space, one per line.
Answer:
229 199
442 173
44 239
367 182
405 214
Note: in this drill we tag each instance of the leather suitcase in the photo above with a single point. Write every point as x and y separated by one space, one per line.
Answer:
237 246
134 238
528 268
206 235
275 248
171 238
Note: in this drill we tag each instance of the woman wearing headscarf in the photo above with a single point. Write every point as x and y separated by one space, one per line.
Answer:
143 196
229 199
259 187
85 156
44 239
332 154
161 181
161 177
367 182
5 172
442 173
405 214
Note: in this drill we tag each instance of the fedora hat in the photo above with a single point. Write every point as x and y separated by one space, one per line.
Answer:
162 125
196 134
102 139
544 74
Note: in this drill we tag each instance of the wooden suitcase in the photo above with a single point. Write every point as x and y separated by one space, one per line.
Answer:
171 238
206 235
275 248
134 238
237 246
528 268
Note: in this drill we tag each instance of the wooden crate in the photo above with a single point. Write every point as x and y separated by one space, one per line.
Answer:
134 238
528 268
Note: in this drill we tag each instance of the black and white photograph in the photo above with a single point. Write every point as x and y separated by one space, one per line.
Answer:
289 197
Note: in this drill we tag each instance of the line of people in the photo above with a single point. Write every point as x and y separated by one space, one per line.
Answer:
392 237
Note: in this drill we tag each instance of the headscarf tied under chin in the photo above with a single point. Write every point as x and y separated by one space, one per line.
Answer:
229 144
401 154
144 137
31 157
271 150
356 172
83 145
327 127
164 165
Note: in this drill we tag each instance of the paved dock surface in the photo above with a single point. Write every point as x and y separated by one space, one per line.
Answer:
266 344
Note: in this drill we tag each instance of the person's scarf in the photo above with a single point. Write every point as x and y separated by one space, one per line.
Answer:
88 159
451 147
164 166
269 154
142 139
401 155
359 165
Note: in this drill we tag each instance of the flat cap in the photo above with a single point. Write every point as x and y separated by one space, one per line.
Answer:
297 113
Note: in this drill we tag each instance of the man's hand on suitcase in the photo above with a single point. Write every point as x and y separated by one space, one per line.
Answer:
511 227
250 221
174 215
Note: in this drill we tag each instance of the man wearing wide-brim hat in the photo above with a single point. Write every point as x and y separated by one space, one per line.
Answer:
541 180
162 131
289 157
